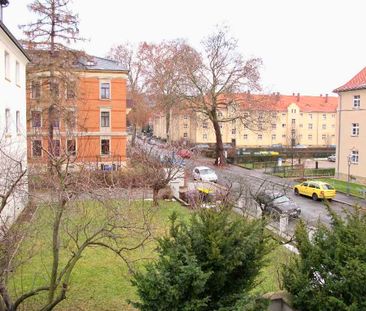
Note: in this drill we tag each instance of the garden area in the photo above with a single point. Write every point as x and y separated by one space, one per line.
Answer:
355 189
101 280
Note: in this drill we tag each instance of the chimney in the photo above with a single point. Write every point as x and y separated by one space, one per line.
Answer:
298 97
293 94
3 4
278 93
326 98
321 95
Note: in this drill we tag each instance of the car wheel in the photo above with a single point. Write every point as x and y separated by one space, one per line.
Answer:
315 197
296 191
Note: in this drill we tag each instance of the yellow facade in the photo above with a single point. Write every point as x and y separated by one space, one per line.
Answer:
312 126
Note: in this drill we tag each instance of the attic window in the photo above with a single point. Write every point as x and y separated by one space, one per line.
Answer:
90 63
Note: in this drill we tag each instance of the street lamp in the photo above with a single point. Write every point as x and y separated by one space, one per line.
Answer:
349 162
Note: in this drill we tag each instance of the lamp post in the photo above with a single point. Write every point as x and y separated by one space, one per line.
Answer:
349 162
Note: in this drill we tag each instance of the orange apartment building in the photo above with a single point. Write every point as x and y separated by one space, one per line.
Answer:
90 128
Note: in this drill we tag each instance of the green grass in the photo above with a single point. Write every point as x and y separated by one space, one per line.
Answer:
101 281
341 186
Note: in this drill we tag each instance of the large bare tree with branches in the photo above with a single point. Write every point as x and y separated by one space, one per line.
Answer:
215 81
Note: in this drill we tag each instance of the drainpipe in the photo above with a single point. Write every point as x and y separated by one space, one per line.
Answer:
338 146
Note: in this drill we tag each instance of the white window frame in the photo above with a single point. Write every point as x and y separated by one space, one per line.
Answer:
76 146
324 136
17 73
55 141
310 126
100 89
185 125
110 146
355 157
7 121
204 136
310 137
355 129
324 126
105 128
356 102
245 136
185 135
17 122
40 112
260 137
35 85
273 137
7 65
324 116
36 156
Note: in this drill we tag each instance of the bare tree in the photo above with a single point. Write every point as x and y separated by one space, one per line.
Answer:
163 75
53 64
213 81
131 58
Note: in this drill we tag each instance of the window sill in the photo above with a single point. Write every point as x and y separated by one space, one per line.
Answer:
105 99
355 135
7 79
105 155
7 135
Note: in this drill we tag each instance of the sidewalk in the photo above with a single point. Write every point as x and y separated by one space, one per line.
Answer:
340 197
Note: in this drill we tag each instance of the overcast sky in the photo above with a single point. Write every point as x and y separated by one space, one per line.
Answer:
307 46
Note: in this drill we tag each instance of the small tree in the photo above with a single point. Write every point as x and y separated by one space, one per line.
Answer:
330 272
210 264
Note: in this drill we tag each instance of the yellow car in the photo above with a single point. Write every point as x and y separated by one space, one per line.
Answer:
316 190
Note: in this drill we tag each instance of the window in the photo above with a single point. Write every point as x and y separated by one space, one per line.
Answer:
17 73
324 126
355 129
204 136
283 136
35 89
310 126
324 137
274 126
219 114
245 137
185 125
36 119
54 89
71 90
70 119
301 125
56 121
71 147
260 136
310 137
293 110
56 145
185 117
273 136
310 115
105 90
7 121
354 156
104 119
37 148
293 121
356 101
324 116
283 125
105 146
333 126
233 131
333 115
185 135
284 114
274 114
301 114
7 65
17 120
205 125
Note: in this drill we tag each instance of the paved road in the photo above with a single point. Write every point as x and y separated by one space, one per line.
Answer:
239 178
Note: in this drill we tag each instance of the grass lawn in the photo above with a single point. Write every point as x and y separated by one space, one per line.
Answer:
341 186
101 281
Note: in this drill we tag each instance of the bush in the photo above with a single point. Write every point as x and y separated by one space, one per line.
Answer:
210 264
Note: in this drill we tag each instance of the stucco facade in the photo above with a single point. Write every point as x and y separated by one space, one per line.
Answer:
310 120
97 134
351 133
13 61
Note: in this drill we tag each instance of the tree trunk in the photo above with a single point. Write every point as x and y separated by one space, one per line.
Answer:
167 124
134 131
220 157
155 197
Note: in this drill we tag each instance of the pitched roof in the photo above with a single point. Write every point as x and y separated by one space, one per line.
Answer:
15 41
278 102
99 63
358 82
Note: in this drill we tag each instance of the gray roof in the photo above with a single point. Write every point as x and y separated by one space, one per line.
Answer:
99 63
15 41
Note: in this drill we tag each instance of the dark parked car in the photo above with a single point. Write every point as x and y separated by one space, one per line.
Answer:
277 203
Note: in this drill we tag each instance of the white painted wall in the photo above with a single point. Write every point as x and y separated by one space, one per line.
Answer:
13 143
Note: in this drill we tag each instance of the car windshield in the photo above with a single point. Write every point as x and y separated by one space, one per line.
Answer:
282 199
328 187
206 171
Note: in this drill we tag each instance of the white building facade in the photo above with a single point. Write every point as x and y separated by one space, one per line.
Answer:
13 143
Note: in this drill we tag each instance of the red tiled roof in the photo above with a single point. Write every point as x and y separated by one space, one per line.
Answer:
305 103
356 83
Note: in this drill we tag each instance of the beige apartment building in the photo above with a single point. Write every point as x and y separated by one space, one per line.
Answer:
308 120
351 133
